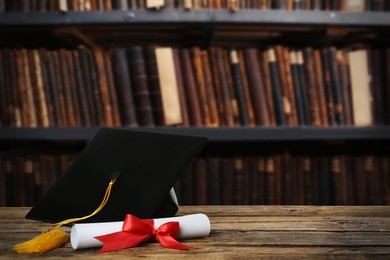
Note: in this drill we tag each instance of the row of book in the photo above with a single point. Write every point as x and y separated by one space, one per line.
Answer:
220 180
25 178
100 5
287 179
154 86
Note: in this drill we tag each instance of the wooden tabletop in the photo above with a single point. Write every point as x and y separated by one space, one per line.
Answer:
243 232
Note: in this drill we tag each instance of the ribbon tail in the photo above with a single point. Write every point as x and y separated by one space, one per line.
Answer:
120 240
169 242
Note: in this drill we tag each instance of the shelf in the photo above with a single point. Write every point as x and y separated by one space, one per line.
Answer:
241 134
200 27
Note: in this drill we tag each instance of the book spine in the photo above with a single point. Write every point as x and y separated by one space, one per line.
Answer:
82 92
16 104
154 85
200 177
47 86
200 85
73 88
66 88
103 88
32 118
111 90
168 86
257 87
276 87
211 99
123 88
319 83
294 65
238 87
335 83
303 85
328 88
190 89
140 86
213 181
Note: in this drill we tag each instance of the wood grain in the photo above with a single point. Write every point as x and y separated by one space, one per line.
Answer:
244 231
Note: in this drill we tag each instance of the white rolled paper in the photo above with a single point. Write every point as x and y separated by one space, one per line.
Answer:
191 226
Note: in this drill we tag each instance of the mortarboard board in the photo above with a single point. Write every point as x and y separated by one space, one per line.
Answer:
149 164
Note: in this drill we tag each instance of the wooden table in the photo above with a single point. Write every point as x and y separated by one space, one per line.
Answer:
243 232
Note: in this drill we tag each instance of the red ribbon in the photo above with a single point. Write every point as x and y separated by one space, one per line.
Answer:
136 231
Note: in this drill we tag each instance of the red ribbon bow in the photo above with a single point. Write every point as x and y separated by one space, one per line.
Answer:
136 231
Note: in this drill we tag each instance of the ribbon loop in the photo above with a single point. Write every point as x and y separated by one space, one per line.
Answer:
135 231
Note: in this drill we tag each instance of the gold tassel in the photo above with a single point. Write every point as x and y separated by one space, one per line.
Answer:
43 243
56 237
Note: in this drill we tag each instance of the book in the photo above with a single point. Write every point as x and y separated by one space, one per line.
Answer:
360 86
213 181
73 88
32 117
102 84
238 87
154 84
190 89
257 88
180 85
210 94
123 87
168 86
200 85
276 87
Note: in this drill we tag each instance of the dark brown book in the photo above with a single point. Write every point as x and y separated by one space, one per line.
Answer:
111 90
32 116
180 85
304 167
319 80
200 85
3 194
316 5
139 85
287 181
17 102
328 87
103 87
28 166
385 180
270 177
66 88
335 85
373 180
314 106
200 181
52 94
360 181
221 87
290 86
229 81
345 86
303 86
4 119
192 97
120 5
262 181
276 87
253 181
227 180
73 88
238 87
245 87
10 182
99 101
263 58
213 181
257 88
387 93
154 85
123 87
33 69
81 90
238 181
8 96
282 65
47 86
210 94
294 65
377 66
263 4
337 181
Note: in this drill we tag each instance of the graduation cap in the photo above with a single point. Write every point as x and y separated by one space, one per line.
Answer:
144 167
148 165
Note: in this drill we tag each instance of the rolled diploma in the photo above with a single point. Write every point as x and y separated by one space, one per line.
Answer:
83 235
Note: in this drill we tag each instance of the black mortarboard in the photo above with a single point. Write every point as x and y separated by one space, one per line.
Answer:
149 164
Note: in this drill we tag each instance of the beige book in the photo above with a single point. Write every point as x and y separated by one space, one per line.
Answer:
354 5
63 5
360 87
155 4
168 86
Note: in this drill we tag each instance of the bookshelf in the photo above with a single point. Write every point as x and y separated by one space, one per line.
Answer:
221 28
